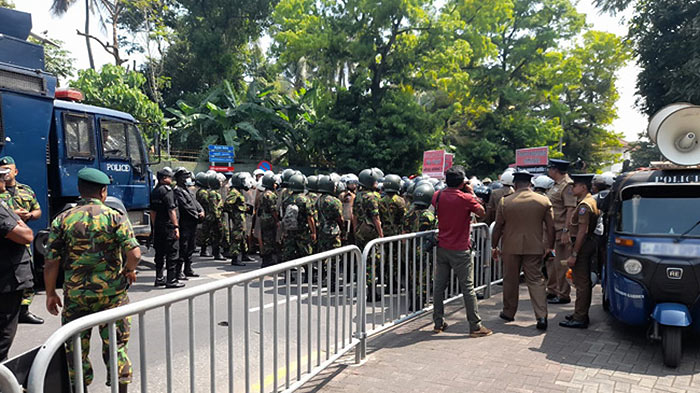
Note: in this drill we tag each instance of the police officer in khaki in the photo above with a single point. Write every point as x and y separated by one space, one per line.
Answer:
563 206
497 194
522 247
582 226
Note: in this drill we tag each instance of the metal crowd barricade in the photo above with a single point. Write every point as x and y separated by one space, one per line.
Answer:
331 294
400 274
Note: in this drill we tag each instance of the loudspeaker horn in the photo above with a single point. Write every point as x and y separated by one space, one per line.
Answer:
676 130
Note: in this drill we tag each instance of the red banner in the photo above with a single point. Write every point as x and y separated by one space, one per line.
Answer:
534 156
434 163
219 168
449 158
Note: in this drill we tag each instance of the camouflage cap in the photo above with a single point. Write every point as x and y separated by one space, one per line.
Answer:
93 175
7 160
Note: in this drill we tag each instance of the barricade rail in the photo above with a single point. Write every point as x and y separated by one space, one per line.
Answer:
342 263
349 296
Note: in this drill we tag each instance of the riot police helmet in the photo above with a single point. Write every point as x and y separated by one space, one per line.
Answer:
392 183
297 183
423 194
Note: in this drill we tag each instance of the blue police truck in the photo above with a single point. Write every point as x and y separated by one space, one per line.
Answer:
51 136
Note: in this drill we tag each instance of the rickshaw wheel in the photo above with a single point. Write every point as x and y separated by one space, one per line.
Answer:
671 344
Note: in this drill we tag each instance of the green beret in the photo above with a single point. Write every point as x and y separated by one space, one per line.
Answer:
93 175
7 160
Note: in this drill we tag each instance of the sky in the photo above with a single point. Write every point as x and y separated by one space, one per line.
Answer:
629 123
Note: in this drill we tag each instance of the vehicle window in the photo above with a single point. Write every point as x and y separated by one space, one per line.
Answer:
114 139
135 145
657 215
78 136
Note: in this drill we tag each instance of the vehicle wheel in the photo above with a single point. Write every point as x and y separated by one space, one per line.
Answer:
671 343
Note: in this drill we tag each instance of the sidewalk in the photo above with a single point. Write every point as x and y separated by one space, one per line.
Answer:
607 357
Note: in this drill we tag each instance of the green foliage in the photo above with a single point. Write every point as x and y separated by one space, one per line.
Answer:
57 60
643 152
114 87
7 4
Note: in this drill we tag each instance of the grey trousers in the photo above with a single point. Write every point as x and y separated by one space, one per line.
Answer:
463 266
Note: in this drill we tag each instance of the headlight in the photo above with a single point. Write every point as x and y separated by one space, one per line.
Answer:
632 266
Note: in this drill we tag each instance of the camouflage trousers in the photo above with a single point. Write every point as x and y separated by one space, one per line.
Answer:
327 242
297 244
268 235
77 307
212 230
238 242
363 235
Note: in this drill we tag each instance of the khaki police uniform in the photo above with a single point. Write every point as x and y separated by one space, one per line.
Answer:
562 198
586 215
494 201
522 247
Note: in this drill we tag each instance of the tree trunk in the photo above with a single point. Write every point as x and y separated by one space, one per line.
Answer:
115 35
87 34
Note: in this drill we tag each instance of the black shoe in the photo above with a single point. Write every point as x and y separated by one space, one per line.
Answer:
182 277
246 258
219 257
542 323
204 253
574 324
160 282
558 300
479 296
570 317
234 261
175 284
191 273
27 317
551 296
505 317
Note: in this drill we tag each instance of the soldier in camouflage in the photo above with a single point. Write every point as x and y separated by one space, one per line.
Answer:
419 218
214 223
88 242
21 198
330 214
301 233
268 219
202 196
224 225
236 208
365 218
392 209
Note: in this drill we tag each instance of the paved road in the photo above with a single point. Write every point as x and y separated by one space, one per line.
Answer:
607 357
30 336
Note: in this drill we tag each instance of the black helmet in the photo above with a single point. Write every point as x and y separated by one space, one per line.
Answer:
369 177
164 172
213 181
200 180
410 187
181 171
423 194
268 180
312 183
392 183
327 185
297 183
483 192
286 174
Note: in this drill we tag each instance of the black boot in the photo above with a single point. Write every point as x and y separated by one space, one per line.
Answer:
266 261
217 254
234 261
123 388
204 253
27 317
174 284
160 282
246 258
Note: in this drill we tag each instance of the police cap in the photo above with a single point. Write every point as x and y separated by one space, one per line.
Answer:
561 165
7 160
522 176
165 172
586 179
92 175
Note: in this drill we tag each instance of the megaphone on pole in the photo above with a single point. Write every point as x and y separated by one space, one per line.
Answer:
676 130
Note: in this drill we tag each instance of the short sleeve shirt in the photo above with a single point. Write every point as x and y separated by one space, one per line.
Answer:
88 240
454 218
586 214
15 273
162 202
562 198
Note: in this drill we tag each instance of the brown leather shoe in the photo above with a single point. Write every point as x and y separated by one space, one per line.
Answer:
441 328
482 332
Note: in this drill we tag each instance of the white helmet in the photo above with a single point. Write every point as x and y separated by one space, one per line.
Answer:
507 178
246 180
543 181
607 178
221 177
258 171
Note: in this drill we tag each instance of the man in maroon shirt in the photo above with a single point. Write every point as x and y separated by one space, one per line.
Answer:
454 207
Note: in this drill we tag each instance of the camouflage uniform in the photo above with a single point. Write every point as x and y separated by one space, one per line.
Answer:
297 243
22 197
418 219
236 208
203 235
365 208
268 223
89 241
392 209
330 211
214 222
313 197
